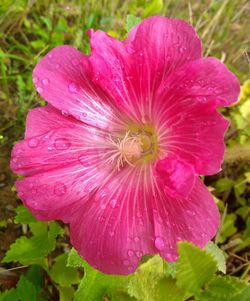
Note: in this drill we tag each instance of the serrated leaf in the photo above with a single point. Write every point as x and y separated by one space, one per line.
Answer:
74 260
218 255
23 215
33 250
243 296
142 283
62 274
221 288
194 268
166 289
10 295
131 21
95 285
153 8
26 290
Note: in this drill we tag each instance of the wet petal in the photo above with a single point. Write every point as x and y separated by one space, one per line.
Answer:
62 78
195 219
132 70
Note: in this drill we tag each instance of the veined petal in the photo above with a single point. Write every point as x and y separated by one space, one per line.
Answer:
195 219
54 141
132 70
177 177
116 229
62 78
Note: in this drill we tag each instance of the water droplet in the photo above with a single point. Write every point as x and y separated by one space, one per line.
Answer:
131 268
83 159
65 113
136 239
204 235
33 142
50 148
129 239
58 66
45 81
73 88
191 213
130 253
50 55
111 233
113 203
14 160
183 49
39 90
35 80
60 189
159 243
139 254
62 144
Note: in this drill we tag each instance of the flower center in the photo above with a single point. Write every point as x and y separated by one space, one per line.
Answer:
137 146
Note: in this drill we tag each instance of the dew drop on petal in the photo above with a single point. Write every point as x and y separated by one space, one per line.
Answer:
62 144
35 80
60 189
139 254
45 81
39 90
130 253
113 203
191 213
33 142
159 243
73 88
136 239
131 268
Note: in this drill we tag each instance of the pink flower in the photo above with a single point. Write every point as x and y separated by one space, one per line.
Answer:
118 151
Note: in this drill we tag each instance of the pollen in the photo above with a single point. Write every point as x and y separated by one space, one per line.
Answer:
133 148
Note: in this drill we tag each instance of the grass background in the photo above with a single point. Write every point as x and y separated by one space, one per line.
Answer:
29 29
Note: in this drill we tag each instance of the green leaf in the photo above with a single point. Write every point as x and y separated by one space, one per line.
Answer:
194 268
142 283
33 250
62 274
35 276
228 227
218 255
10 295
95 285
166 289
26 290
224 184
221 288
243 296
154 7
23 215
74 260
131 22
66 293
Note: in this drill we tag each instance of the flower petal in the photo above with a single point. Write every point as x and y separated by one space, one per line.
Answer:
187 122
54 141
195 219
60 192
115 231
62 78
131 71
177 176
